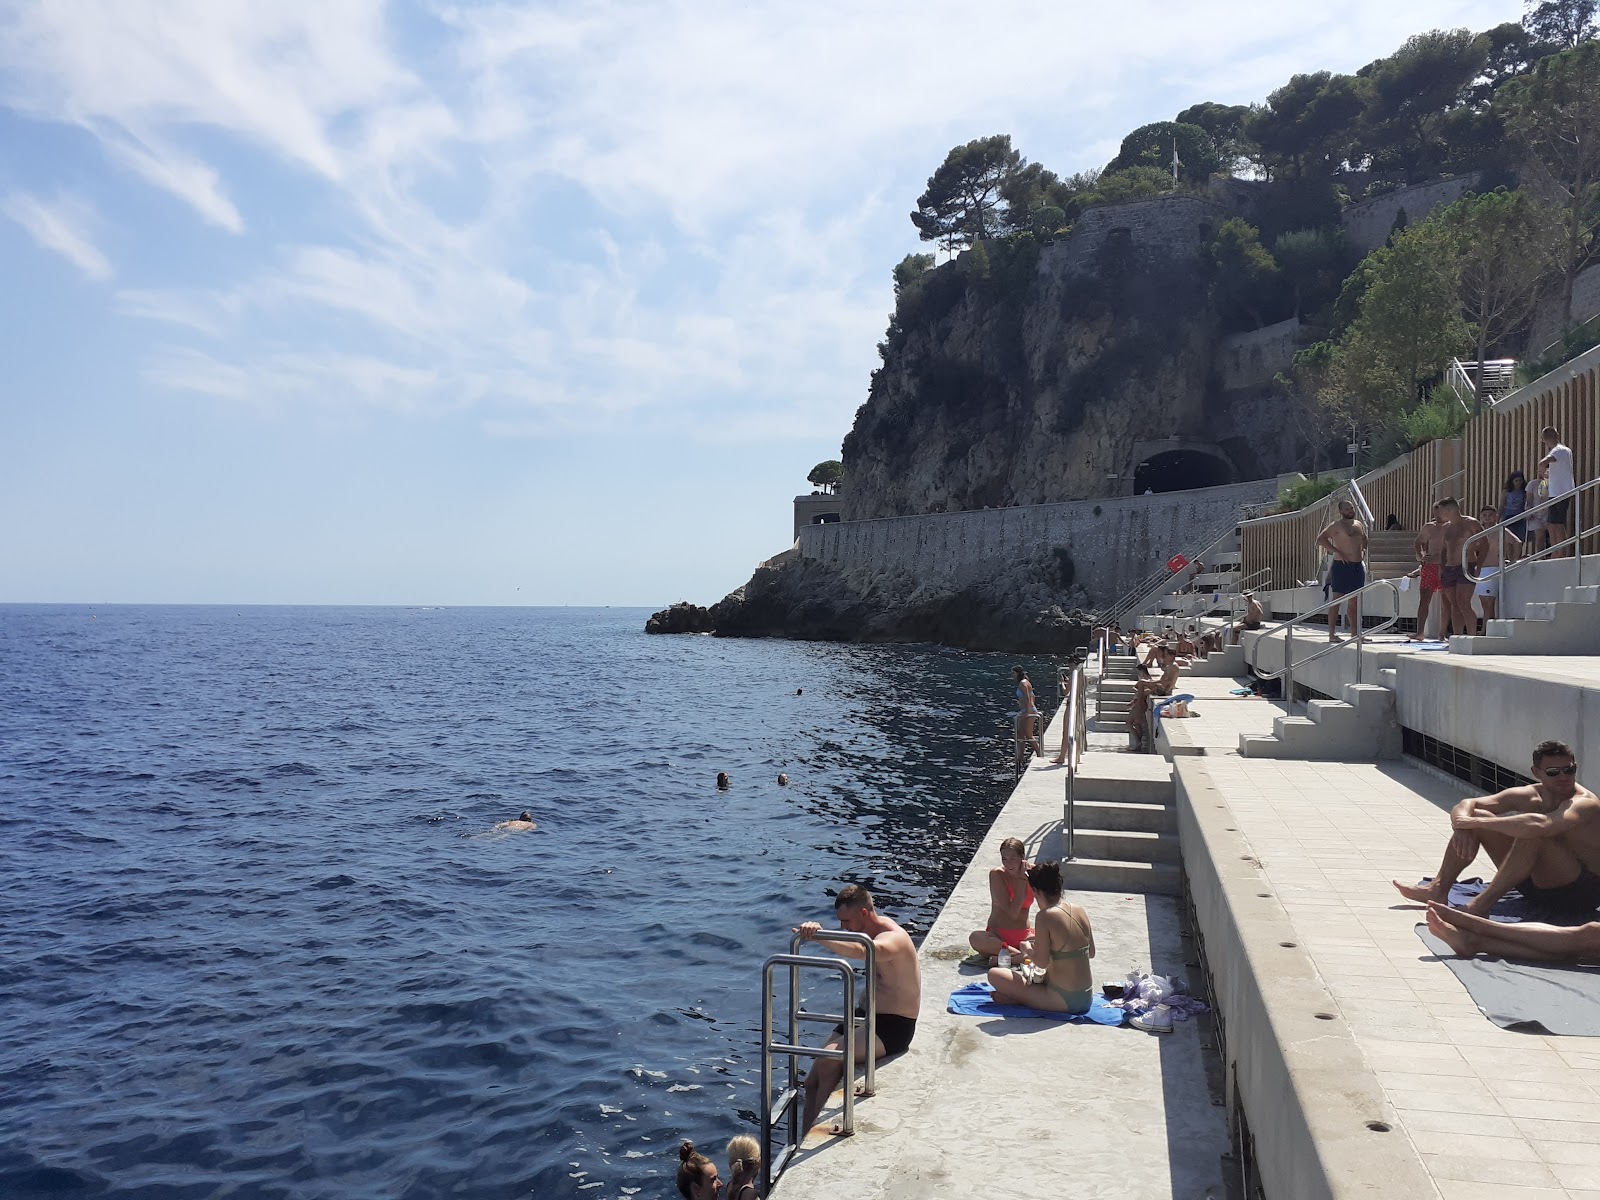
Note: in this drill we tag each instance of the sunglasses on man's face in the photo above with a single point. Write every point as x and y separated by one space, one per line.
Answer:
1552 772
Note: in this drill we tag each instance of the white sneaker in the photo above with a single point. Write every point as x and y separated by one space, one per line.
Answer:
1156 1020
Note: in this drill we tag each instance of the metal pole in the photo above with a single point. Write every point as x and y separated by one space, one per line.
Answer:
1288 667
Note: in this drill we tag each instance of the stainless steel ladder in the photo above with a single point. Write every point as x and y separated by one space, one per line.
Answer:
786 1109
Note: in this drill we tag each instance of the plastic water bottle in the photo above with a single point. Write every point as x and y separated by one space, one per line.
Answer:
1005 956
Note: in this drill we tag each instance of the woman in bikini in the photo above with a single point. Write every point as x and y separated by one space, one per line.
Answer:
1010 897
1027 713
1063 942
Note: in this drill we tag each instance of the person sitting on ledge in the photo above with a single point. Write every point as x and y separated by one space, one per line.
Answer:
1165 659
1530 941
1544 839
1010 898
1063 944
1253 616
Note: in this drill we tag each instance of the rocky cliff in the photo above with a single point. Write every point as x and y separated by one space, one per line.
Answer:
1022 374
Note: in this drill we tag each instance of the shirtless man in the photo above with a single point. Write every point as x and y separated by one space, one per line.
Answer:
899 979
1164 658
1530 941
1346 540
1489 557
1429 546
1455 589
522 824
1544 839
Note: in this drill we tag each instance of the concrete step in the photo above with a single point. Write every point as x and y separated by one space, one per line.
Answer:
1151 785
1123 845
1588 593
1123 816
1551 627
1110 875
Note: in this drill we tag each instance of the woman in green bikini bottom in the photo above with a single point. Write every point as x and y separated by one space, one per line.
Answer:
1063 942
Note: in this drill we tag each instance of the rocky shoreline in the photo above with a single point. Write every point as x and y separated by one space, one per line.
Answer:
1016 608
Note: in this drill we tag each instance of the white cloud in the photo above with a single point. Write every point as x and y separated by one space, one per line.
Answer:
60 225
659 214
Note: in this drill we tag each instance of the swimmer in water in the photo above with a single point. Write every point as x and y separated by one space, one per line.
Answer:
723 781
783 780
522 824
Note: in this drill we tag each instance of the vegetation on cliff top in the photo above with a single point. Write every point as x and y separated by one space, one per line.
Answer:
1518 105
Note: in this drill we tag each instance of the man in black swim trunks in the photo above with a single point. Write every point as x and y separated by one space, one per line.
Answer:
899 977
1544 839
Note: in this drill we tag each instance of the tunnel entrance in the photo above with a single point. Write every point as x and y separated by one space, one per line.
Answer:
1180 470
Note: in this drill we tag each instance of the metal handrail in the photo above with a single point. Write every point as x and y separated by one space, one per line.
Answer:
1074 736
1439 483
1573 539
1362 506
772 1165
1286 672
1161 576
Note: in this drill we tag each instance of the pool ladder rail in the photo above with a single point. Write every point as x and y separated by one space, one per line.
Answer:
784 1112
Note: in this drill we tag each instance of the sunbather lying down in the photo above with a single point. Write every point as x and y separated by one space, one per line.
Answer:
1468 935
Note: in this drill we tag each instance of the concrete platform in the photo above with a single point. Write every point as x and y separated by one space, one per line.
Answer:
1032 1108
1501 707
1359 1060
1219 718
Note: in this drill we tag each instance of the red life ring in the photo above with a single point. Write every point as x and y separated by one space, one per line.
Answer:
1177 563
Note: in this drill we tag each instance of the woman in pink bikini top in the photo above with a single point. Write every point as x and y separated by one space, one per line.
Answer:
1010 898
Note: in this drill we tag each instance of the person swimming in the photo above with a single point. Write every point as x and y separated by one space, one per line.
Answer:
723 781
783 780
522 824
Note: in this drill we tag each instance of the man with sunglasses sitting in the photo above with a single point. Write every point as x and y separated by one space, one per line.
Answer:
1544 839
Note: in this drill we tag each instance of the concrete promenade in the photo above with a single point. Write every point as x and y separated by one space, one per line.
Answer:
1029 1108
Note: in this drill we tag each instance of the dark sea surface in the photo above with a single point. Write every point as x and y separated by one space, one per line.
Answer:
257 939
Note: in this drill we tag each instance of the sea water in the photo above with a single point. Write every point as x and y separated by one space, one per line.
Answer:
259 938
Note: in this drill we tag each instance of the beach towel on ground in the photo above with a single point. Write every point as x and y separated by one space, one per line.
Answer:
1527 997
977 1000
1513 906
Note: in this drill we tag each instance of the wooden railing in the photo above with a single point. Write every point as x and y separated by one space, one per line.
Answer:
1286 545
1507 439
1474 469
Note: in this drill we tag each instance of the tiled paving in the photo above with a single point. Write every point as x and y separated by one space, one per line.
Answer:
1490 1112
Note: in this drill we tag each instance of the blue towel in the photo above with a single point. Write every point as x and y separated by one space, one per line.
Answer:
1512 907
977 1000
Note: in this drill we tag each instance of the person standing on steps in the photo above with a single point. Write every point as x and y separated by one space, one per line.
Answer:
1514 505
1346 540
1490 557
1559 517
1429 547
1455 589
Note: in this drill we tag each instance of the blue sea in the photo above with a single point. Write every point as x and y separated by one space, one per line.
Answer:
260 940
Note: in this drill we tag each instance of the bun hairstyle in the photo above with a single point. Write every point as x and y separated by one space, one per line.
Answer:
1045 878
691 1168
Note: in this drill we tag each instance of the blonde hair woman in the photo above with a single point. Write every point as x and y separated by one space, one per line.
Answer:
744 1168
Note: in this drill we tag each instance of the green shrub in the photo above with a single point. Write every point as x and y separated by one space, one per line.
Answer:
1308 491
1443 418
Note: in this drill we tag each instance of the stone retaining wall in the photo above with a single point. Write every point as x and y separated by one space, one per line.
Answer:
1114 543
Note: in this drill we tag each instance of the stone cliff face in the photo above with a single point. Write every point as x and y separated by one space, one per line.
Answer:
1036 374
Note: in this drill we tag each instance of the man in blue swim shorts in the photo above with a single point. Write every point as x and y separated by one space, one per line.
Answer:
1346 541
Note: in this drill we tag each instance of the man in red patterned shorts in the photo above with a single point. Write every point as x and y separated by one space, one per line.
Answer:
1429 548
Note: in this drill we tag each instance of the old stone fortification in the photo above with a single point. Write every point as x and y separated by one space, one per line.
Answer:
1247 360
1112 543
1367 225
1167 227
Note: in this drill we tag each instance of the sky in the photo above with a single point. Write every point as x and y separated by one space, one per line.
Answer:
352 302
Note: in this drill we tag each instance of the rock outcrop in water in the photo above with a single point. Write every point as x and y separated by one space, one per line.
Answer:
682 617
1018 609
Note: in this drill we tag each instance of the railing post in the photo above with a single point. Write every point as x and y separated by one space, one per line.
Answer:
1288 668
